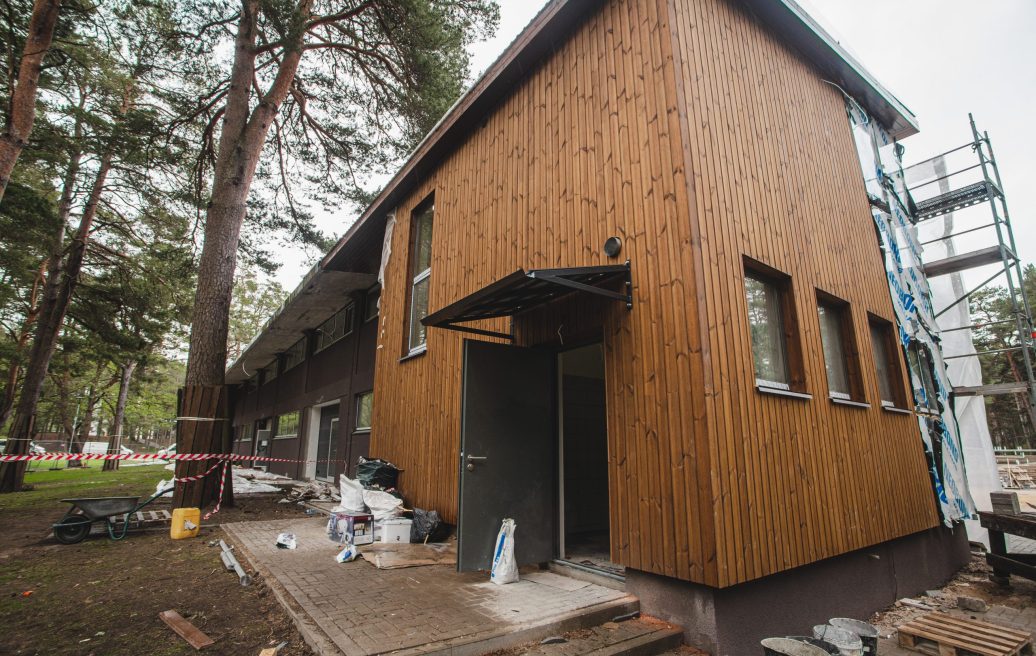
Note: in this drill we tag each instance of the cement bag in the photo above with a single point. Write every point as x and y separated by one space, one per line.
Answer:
505 569
352 497
382 504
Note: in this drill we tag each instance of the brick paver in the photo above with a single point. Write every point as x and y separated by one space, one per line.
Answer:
365 611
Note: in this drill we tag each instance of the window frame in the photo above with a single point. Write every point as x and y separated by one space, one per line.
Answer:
426 208
850 348
299 348
357 428
894 362
371 300
272 370
321 345
278 435
795 386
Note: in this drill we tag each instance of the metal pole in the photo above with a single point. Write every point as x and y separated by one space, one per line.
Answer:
1024 327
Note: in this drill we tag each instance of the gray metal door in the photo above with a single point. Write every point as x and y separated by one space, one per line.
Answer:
507 455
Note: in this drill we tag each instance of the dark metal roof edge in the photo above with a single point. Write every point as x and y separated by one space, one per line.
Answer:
795 25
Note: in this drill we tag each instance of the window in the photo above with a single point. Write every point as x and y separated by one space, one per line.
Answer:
421 248
335 328
244 433
883 342
370 308
288 425
270 371
927 397
769 350
364 405
839 343
295 355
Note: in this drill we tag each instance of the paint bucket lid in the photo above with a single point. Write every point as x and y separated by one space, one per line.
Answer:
862 629
789 647
848 643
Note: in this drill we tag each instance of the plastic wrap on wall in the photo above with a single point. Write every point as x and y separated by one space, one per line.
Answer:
880 162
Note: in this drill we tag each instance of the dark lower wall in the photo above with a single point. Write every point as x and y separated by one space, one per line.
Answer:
731 621
339 372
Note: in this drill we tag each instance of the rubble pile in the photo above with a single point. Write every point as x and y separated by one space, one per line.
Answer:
312 491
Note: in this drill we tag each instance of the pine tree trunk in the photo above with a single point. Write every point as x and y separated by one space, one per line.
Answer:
241 142
53 309
23 100
115 441
15 370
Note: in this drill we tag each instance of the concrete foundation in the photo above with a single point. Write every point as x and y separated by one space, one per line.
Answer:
731 621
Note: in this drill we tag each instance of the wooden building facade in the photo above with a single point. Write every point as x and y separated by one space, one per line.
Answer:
706 141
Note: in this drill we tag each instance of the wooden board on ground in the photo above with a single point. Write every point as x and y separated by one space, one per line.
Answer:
393 555
940 634
185 629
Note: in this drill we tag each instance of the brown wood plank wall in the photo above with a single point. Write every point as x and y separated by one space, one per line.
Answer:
710 481
776 179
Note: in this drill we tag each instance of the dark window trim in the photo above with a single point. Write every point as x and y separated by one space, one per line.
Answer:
847 325
359 399
413 274
367 316
896 360
317 347
790 320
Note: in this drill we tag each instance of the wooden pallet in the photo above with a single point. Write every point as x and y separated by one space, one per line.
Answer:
145 517
940 634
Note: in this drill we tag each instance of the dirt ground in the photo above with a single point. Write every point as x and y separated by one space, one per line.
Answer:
971 581
104 597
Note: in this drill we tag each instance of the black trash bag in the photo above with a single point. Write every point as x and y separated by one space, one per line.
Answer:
377 473
428 525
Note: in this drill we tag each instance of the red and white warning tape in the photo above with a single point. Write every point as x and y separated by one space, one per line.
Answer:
234 457
198 477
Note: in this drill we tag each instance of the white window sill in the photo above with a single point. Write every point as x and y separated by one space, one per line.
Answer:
415 353
893 409
849 402
285 437
778 391
361 430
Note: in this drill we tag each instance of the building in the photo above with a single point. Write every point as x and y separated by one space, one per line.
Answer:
632 295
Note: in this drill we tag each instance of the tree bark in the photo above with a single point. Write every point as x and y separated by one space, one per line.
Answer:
115 441
242 137
48 327
24 333
22 110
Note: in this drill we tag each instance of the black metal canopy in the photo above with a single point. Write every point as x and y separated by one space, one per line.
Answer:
523 290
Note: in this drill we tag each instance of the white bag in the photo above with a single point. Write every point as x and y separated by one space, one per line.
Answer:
352 497
505 569
382 504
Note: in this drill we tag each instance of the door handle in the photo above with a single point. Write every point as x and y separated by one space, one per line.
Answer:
472 460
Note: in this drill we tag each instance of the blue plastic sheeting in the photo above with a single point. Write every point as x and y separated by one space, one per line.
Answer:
881 163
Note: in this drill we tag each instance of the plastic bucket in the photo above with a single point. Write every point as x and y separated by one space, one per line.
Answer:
867 632
789 647
848 643
817 642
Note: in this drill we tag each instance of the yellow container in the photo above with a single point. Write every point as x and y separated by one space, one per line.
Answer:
186 523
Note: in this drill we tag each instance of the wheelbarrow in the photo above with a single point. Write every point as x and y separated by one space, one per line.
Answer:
77 522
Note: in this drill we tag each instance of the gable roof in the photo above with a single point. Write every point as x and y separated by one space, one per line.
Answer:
552 25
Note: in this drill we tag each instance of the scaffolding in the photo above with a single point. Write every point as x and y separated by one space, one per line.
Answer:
938 192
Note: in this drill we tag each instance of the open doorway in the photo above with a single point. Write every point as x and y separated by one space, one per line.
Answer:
584 534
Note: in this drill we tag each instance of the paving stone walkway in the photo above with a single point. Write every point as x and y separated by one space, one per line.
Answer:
356 609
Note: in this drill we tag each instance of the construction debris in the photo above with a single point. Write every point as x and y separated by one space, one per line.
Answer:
185 629
231 563
313 491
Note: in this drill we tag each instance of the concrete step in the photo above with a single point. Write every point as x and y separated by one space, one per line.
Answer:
643 636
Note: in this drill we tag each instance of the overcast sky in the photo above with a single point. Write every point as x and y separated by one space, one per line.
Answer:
942 58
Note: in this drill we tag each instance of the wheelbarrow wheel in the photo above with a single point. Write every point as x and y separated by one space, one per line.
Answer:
73 529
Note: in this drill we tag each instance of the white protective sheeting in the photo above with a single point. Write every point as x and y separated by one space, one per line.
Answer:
915 315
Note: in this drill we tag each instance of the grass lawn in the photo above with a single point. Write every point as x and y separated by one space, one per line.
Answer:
103 597
50 486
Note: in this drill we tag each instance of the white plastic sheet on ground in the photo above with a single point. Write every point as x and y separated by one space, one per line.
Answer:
912 302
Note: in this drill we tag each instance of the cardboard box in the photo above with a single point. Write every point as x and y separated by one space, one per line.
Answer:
396 530
355 529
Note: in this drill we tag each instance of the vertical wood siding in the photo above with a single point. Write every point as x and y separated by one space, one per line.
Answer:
775 178
710 481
